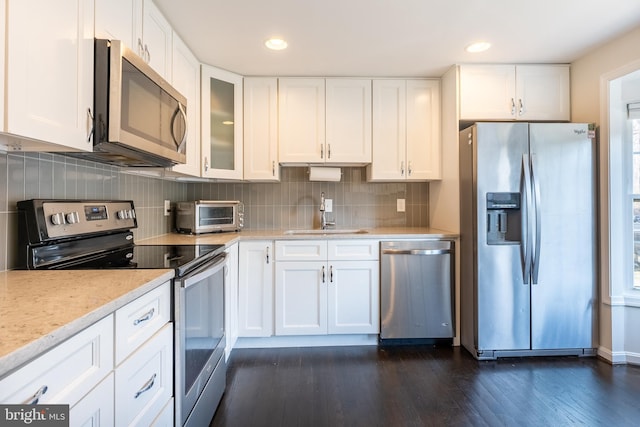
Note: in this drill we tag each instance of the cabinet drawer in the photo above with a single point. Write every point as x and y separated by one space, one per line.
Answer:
353 250
166 416
301 250
140 319
144 382
67 372
96 408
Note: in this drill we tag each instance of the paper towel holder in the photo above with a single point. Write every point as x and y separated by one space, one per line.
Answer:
324 173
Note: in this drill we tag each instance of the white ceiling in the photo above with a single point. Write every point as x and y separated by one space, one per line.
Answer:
399 38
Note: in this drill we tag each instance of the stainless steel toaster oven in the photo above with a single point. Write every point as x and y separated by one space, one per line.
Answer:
209 216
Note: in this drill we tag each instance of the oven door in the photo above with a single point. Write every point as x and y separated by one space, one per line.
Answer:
200 337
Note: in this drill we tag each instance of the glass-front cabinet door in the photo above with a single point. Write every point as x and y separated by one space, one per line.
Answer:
221 124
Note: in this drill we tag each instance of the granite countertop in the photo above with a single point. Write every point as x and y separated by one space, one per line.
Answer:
381 233
40 309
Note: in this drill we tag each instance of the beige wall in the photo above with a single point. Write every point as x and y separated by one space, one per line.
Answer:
586 73
590 77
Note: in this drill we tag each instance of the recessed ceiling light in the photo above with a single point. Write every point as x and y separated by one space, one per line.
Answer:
276 44
478 47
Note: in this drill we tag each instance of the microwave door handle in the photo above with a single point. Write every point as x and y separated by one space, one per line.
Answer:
180 145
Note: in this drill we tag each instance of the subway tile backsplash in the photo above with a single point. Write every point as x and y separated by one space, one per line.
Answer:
292 203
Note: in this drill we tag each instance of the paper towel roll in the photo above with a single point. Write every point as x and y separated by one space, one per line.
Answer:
324 174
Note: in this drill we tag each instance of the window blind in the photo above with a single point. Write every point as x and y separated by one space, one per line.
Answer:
633 110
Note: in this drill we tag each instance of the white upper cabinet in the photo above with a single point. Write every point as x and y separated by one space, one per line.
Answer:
141 26
221 103
514 92
49 72
120 20
157 34
406 130
185 77
261 129
324 121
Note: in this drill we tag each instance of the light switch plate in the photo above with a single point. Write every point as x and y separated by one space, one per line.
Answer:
328 205
167 207
400 205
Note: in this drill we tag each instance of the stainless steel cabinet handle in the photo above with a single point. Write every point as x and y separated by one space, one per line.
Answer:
331 273
409 169
416 251
147 54
521 107
33 400
513 106
148 315
273 168
91 125
267 254
328 151
146 387
402 168
140 48
322 151
323 275
206 164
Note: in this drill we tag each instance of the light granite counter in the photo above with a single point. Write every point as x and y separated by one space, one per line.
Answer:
40 309
379 233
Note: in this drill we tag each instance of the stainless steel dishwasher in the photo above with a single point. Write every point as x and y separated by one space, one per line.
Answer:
416 289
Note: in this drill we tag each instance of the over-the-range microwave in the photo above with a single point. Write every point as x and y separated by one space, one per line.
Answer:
208 216
139 118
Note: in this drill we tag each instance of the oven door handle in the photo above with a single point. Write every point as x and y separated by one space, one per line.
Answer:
201 273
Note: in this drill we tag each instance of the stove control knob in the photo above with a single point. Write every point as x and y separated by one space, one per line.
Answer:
73 217
57 219
123 214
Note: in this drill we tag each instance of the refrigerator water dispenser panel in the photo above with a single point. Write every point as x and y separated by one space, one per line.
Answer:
503 219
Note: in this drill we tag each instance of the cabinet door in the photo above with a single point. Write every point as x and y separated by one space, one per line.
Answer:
157 35
487 92
96 408
301 298
231 299
49 71
120 20
261 129
354 297
301 120
348 120
389 131
185 77
543 92
423 130
255 289
221 103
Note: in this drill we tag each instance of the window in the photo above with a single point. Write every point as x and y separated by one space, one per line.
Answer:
634 138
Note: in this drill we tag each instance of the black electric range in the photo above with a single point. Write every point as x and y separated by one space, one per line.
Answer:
81 234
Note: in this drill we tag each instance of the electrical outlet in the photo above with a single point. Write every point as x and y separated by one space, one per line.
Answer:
167 207
400 205
328 205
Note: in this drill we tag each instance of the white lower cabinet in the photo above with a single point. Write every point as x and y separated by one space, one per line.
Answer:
144 381
255 289
327 287
96 408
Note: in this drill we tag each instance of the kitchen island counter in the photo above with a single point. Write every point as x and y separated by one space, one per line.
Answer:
40 309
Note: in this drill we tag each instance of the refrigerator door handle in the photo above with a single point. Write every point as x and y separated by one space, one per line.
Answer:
525 241
538 223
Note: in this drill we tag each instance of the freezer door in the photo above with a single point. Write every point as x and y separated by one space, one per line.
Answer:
502 296
564 291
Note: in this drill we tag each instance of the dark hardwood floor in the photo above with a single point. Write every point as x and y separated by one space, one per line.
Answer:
423 386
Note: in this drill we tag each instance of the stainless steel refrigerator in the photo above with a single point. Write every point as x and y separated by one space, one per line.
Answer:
528 239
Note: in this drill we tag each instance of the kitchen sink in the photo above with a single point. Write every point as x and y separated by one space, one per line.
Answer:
328 231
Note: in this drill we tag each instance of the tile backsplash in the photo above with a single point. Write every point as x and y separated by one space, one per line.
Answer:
292 203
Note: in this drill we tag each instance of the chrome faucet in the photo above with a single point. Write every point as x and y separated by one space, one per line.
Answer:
323 218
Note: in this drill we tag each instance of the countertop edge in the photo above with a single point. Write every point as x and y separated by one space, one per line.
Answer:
19 357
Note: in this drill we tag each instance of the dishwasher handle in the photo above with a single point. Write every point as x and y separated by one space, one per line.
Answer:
416 251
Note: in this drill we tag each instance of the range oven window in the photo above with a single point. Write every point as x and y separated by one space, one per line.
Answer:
204 325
